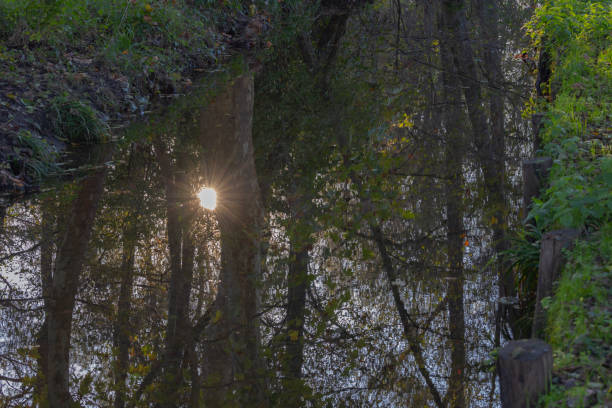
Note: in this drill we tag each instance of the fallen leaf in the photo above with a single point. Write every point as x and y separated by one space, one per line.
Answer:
79 76
82 61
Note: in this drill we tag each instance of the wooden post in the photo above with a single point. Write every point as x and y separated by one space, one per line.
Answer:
551 262
525 372
535 173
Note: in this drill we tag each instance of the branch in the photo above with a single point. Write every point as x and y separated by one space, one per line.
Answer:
407 324
435 312
155 369
14 254
8 300
17 380
201 324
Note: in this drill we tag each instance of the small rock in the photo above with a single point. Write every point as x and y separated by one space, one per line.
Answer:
590 398
571 383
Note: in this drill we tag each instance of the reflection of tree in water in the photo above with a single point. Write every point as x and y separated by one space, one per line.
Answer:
375 289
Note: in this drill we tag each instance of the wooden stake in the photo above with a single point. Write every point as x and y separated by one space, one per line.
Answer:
549 269
525 372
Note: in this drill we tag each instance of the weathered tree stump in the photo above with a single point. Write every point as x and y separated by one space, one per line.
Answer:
549 269
525 371
535 173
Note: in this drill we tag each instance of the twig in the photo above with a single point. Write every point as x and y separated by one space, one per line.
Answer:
14 254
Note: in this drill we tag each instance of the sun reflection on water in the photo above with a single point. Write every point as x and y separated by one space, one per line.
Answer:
208 198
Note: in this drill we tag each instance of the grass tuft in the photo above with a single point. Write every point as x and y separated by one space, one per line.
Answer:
42 161
75 122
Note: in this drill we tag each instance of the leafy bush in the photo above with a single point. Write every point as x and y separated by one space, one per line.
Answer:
576 133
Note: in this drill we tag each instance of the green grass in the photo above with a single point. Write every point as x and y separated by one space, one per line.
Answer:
75 122
80 63
586 282
41 163
132 35
580 321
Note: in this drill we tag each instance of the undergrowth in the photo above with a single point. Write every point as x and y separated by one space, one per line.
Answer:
577 134
130 34
71 68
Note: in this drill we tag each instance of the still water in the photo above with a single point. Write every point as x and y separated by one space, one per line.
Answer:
159 269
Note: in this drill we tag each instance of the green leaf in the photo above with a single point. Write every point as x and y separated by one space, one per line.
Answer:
566 219
85 385
367 254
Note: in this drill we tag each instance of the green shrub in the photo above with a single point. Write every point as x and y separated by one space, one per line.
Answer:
579 35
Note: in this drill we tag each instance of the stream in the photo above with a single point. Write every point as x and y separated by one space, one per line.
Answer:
117 272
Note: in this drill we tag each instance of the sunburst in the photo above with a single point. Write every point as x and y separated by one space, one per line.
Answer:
208 198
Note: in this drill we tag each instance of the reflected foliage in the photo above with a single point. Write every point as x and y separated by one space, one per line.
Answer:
351 260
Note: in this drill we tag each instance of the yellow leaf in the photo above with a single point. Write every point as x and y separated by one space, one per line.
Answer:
493 220
406 122
293 335
148 8
217 316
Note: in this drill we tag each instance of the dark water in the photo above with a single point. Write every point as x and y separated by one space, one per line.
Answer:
106 238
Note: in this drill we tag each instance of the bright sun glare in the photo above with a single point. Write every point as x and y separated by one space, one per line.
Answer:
208 198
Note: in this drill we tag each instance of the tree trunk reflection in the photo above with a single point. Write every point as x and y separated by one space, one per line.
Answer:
68 265
232 354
